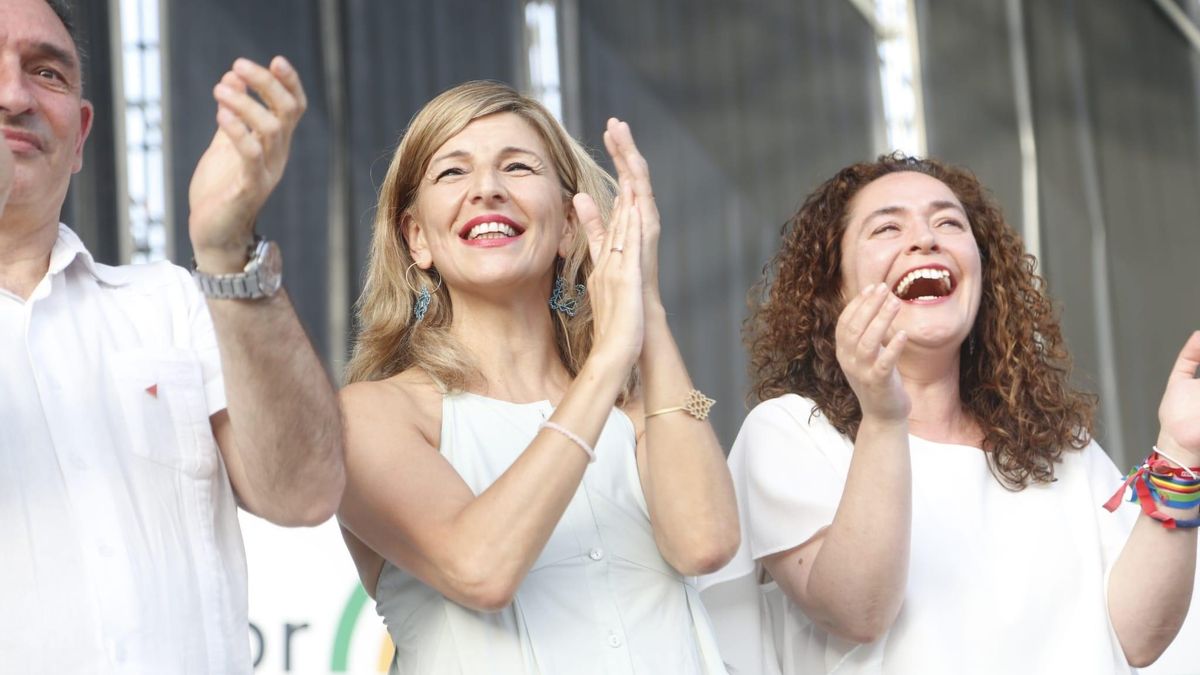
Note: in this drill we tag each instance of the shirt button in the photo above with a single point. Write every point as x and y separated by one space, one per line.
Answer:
614 640
596 553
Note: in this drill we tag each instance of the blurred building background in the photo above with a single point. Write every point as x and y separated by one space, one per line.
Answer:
1083 116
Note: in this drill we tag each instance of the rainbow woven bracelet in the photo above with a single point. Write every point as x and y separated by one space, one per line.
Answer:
1157 482
1173 492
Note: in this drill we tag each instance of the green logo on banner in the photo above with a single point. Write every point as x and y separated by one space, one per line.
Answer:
340 660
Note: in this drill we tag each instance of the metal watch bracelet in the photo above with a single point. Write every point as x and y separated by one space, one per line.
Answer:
262 276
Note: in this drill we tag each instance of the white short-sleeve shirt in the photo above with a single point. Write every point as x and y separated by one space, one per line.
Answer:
999 581
120 550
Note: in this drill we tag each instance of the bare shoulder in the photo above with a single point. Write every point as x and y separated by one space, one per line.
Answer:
403 403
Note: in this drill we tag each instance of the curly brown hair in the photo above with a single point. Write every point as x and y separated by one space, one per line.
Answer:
1014 384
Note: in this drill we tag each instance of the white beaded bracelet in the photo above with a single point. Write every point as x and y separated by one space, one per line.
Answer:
1175 462
547 424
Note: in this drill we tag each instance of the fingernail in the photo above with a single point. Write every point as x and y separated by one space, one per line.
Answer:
284 65
222 90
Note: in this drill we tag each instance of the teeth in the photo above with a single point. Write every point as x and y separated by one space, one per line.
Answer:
488 228
924 273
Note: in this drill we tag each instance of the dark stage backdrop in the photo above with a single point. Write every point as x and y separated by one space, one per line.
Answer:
1115 100
1114 108
202 40
740 111
92 205
367 67
741 108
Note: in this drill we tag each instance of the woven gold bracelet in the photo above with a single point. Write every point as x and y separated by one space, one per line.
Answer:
696 404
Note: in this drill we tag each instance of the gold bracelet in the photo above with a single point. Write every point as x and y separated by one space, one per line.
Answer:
696 404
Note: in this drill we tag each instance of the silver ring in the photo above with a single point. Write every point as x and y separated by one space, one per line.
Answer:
616 249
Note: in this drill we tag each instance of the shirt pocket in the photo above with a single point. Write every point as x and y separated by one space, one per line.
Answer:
166 415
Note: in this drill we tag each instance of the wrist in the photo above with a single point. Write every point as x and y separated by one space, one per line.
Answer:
876 424
1176 453
609 371
1165 487
654 312
259 277
226 258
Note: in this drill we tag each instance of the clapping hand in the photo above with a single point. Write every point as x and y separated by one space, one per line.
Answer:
615 284
245 160
869 364
633 172
1179 412
624 282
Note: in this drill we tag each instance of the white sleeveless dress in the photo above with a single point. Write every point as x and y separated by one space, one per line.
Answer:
599 598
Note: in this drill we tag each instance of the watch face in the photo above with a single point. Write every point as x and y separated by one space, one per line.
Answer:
270 271
261 277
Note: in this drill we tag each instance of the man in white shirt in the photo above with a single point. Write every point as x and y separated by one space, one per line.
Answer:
124 450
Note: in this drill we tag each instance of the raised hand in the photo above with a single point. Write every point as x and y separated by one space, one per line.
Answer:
1179 412
634 172
6 173
245 160
615 284
869 364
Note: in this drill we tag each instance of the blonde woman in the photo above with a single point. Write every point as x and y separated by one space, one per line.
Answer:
517 501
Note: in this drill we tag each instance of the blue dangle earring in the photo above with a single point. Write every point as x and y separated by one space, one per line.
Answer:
559 301
422 305
424 296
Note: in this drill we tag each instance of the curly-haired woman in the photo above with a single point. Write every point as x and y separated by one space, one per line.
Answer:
919 487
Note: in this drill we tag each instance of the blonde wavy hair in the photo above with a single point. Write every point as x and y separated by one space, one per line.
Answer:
390 341
1016 385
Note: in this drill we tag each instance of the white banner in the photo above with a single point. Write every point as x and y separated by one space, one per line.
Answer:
308 612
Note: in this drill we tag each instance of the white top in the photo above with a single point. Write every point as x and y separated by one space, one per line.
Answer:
119 543
599 599
999 581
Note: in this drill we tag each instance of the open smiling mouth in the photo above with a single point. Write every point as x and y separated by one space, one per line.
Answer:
491 230
924 284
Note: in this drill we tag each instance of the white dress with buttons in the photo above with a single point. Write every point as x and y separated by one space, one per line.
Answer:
599 598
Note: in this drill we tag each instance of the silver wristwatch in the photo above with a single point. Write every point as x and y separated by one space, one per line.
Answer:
261 277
